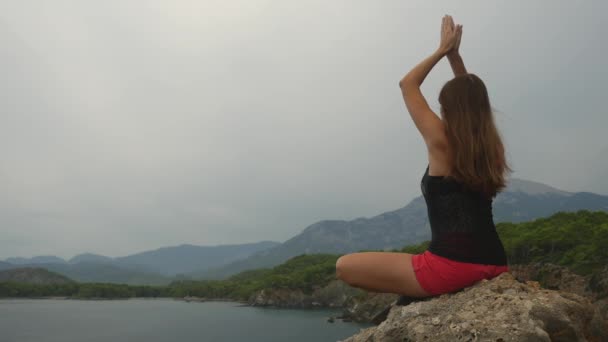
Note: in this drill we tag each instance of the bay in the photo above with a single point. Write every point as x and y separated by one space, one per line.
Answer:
164 319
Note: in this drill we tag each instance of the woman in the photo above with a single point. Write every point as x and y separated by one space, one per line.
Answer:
465 172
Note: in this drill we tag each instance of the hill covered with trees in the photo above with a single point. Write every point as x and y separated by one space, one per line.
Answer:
576 240
33 275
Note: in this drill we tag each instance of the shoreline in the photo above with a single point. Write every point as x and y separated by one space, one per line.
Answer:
181 299
185 299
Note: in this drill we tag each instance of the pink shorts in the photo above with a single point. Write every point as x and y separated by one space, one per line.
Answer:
438 275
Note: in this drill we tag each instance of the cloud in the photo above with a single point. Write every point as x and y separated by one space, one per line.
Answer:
126 126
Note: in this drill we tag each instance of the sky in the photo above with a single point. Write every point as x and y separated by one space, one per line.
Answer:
132 125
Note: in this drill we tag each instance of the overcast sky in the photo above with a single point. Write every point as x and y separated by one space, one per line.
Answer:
133 125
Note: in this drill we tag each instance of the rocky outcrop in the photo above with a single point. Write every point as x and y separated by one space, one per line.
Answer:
334 294
500 309
367 307
598 284
364 308
550 276
532 302
556 277
284 298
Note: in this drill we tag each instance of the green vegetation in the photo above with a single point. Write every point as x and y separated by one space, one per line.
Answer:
572 239
576 240
16 289
36 275
79 290
415 249
303 272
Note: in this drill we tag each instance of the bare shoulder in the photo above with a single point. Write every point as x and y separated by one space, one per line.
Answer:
439 155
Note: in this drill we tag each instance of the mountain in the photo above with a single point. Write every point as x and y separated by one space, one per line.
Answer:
103 273
33 275
43 259
521 200
525 200
91 258
155 267
594 173
186 258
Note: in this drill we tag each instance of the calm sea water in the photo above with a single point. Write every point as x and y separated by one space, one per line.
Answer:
155 320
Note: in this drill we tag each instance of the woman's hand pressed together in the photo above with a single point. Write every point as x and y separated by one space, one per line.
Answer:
450 36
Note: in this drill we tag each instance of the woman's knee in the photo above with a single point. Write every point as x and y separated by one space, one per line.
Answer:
342 267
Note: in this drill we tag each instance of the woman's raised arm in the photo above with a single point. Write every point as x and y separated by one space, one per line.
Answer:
457 64
454 55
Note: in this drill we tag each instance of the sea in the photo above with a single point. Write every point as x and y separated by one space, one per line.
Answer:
165 319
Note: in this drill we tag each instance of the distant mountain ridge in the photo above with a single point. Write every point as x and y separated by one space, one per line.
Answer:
33 275
89 257
42 259
155 267
521 200
186 258
525 200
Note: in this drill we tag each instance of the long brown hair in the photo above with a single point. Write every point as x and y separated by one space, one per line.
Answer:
478 153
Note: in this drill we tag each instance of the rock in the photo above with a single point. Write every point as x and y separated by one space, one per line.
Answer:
380 316
555 277
598 284
365 308
194 299
286 298
500 309
334 295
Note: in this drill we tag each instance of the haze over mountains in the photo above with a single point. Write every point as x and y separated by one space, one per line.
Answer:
33 275
150 267
522 200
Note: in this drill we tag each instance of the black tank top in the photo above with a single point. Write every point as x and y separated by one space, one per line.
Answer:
461 222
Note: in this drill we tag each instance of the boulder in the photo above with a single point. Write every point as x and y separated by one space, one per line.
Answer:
333 295
500 309
554 277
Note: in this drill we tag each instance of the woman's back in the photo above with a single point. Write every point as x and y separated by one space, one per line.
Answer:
461 222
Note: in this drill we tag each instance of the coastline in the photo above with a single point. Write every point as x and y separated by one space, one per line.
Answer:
185 299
